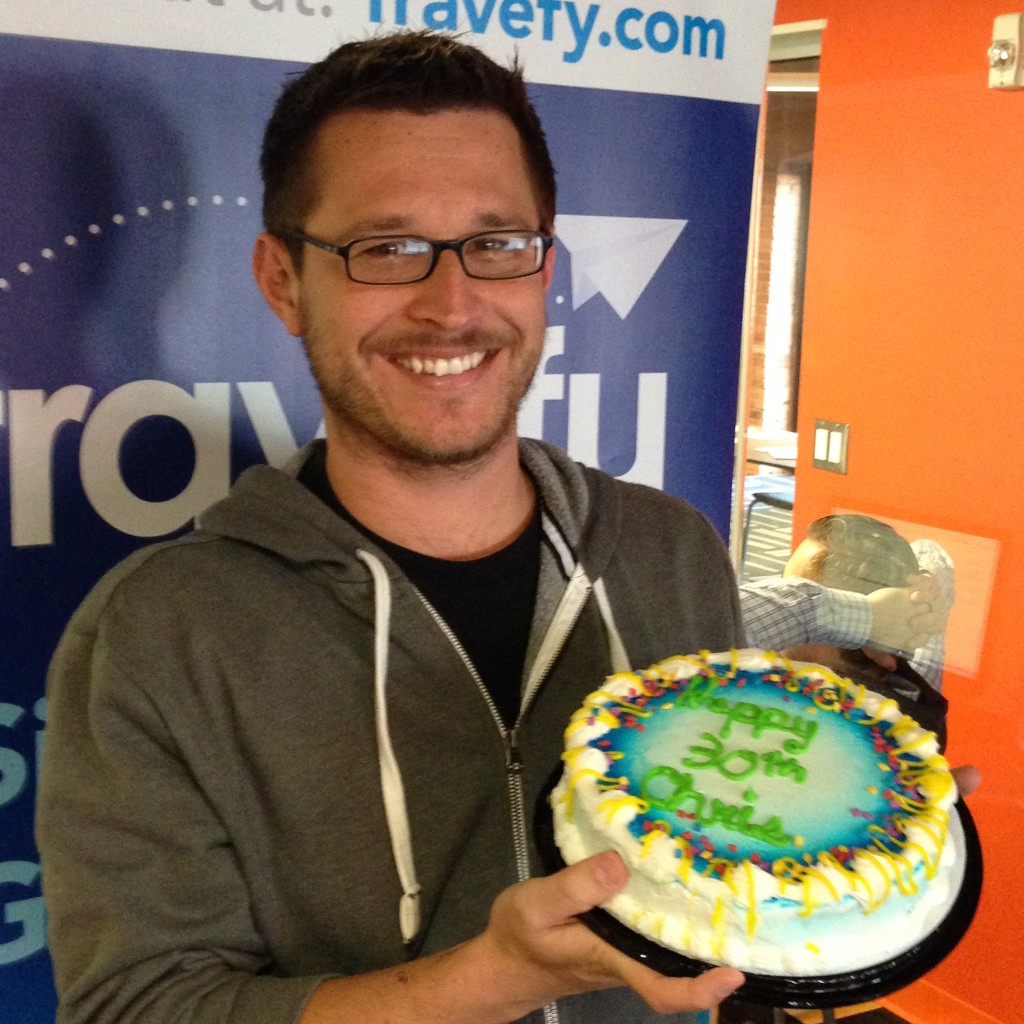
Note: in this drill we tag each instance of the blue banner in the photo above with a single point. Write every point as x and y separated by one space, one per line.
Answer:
642 355
140 371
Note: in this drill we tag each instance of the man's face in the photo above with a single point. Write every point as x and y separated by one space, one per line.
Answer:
373 347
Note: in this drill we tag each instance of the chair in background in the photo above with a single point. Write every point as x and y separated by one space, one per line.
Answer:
769 499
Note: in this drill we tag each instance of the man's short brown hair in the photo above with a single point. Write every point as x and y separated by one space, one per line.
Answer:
419 72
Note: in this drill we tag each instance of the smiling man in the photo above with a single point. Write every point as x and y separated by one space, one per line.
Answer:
293 759
419 375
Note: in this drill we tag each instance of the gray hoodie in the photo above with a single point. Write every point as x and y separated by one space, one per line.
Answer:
267 763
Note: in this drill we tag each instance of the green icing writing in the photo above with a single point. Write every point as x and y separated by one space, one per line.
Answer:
669 790
741 764
701 693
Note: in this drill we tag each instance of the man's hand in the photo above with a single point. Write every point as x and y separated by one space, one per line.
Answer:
905 618
533 951
539 943
968 779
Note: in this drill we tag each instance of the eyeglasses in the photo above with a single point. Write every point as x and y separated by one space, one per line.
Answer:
406 259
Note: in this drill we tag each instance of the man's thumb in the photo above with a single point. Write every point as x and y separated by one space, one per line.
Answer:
580 887
595 880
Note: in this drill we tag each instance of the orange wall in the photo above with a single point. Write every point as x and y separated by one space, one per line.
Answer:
914 335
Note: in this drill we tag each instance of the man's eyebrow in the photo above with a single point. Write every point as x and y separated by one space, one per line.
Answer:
377 226
371 228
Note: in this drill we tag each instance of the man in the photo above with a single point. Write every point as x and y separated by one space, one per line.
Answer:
854 584
293 759
856 596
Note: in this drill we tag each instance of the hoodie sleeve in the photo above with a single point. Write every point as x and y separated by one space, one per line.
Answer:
149 917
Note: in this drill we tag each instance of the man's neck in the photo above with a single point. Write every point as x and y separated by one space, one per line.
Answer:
455 512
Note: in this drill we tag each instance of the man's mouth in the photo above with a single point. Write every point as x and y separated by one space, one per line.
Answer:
442 367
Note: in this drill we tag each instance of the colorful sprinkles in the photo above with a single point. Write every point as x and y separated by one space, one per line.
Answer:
647 695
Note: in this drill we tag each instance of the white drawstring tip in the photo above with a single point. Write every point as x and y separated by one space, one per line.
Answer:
409 915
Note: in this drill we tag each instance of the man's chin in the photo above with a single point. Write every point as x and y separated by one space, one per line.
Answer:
417 452
451 456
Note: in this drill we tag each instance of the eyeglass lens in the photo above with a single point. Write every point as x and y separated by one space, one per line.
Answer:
494 255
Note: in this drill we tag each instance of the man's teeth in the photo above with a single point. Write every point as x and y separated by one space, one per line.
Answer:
443 367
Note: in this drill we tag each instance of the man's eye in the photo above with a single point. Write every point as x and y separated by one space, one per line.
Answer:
496 245
392 248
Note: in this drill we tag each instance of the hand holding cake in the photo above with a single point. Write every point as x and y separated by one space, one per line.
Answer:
544 950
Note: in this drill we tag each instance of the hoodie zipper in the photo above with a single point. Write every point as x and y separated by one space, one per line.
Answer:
566 617
578 590
509 739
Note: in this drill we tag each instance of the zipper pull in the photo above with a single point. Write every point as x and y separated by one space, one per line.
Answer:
513 762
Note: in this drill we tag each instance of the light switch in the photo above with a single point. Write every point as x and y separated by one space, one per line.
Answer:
1005 60
830 444
820 444
835 446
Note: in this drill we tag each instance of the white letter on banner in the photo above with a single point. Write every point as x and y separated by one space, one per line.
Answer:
206 416
29 913
34 421
584 416
545 387
268 421
13 769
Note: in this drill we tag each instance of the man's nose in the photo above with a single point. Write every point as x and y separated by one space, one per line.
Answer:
448 297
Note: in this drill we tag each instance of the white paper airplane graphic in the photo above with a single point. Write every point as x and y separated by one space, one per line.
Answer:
616 256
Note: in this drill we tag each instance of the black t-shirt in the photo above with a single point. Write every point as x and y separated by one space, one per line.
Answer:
487 602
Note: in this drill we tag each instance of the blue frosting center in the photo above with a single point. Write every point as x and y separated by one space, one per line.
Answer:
751 769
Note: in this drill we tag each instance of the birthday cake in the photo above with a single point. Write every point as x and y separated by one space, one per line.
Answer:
774 816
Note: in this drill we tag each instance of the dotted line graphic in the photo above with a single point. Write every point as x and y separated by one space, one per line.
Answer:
26 268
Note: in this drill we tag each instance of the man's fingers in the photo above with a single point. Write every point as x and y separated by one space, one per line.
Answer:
677 995
925 589
968 779
930 619
883 658
547 902
899 623
535 926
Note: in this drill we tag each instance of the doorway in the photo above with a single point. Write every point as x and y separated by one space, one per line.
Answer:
773 325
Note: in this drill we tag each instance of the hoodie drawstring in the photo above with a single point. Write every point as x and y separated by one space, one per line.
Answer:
395 810
616 648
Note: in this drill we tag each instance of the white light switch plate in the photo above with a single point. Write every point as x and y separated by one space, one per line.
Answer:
831 441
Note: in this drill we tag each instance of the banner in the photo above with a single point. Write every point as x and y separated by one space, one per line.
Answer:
140 371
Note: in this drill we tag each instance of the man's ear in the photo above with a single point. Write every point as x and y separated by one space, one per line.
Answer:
278 280
548 272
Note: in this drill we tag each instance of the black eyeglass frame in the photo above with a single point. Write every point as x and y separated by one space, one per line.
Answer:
437 247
